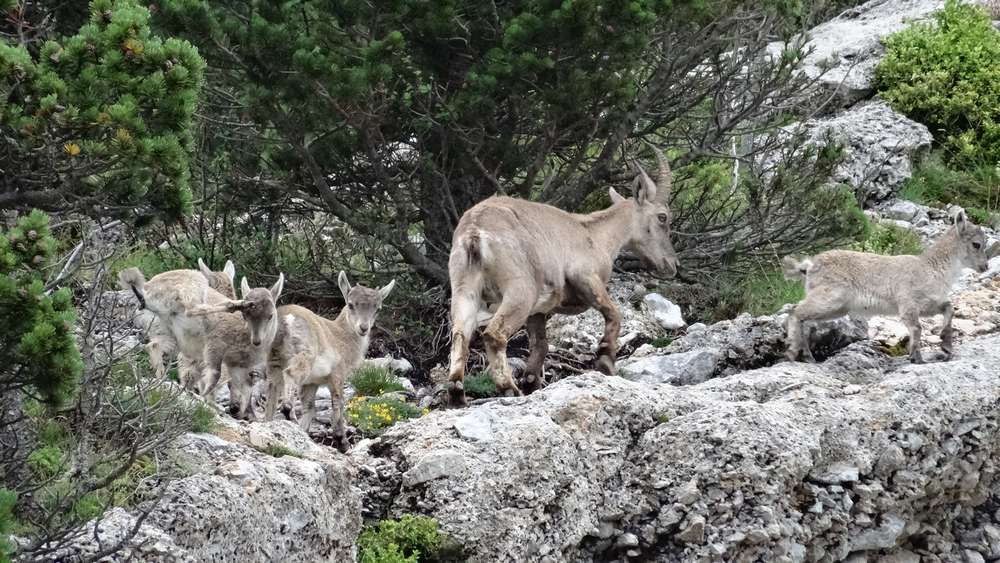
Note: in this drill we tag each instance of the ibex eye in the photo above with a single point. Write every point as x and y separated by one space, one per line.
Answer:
662 217
976 245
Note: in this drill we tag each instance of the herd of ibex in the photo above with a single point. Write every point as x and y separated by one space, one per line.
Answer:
513 262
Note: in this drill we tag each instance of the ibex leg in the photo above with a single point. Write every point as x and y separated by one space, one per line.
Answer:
594 292
510 316
947 333
818 305
539 346
464 309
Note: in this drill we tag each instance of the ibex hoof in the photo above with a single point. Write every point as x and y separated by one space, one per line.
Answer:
341 443
531 383
512 392
456 395
606 365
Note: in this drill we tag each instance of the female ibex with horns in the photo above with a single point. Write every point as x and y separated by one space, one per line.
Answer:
514 262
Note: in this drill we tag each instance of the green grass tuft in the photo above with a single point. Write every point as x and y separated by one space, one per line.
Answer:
480 385
278 450
410 539
203 419
372 381
374 415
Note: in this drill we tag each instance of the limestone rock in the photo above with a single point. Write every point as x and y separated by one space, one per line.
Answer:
238 503
664 311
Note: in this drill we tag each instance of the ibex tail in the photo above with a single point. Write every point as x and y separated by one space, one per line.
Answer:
132 278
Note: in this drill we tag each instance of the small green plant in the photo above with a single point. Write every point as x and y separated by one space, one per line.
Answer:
411 539
762 292
7 501
976 187
480 385
957 60
203 419
373 415
661 342
663 417
278 450
889 240
372 381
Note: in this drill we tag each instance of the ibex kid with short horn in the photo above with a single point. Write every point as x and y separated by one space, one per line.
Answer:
238 339
312 351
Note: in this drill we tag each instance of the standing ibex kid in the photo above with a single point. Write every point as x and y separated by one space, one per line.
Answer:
238 339
165 298
839 282
313 351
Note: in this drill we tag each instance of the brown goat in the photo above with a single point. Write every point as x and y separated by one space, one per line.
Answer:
513 262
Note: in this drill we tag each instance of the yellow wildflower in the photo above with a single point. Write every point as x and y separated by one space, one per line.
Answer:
71 149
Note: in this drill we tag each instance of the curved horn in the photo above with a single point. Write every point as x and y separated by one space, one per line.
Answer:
665 179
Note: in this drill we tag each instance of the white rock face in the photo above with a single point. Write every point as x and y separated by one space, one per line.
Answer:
664 311
240 504
685 368
881 146
795 462
401 366
902 210
851 45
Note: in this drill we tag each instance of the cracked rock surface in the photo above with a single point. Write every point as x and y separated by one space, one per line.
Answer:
863 455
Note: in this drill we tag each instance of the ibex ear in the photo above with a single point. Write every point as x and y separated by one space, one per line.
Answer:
384 292
345 286
205 270
230 270
961 223
647 188
245 287
277 287
615 196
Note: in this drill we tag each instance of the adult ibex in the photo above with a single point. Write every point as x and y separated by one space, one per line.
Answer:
839 282
513 262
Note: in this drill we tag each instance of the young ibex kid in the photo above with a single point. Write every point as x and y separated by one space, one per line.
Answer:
313 351
238 339
839 282
165 298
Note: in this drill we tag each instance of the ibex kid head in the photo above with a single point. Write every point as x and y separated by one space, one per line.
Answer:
650 237
259 310
220 281
362 303
971 249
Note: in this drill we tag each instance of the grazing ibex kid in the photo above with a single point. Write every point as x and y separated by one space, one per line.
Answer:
238 339
313 351
839 282
166 297
513 262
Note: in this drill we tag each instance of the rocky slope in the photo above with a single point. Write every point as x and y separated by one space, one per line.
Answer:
794 462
